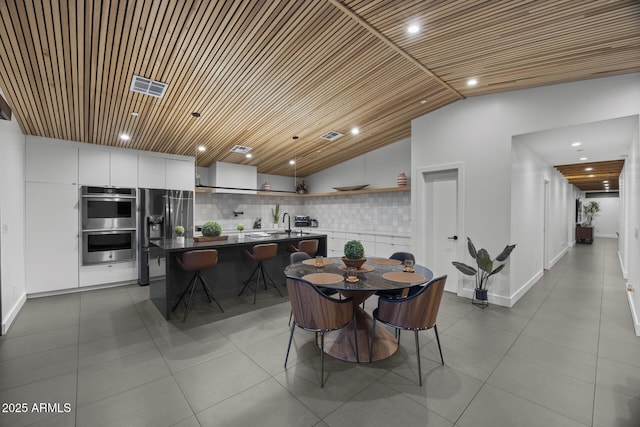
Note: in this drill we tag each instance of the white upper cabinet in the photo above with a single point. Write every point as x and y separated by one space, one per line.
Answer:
151 172
48 161
124 169
180 175
94 167
108 168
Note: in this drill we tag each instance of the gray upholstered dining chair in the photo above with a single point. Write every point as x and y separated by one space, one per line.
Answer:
314 311
416 313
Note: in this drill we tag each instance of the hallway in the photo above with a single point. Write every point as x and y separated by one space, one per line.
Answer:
564 355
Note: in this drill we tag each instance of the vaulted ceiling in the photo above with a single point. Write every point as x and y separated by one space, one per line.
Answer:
261 72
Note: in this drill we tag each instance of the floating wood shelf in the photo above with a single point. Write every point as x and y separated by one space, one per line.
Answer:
331 193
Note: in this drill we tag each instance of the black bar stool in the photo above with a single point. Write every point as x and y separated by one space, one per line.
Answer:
261 253
197 261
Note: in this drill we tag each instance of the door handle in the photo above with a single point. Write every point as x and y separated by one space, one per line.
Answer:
453 238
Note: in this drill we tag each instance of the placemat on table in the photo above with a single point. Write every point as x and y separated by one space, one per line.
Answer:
323 278
312 261
364 269
385 261
402 277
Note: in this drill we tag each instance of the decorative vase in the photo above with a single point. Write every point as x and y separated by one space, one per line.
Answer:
180 239
266 186
357 263
402 179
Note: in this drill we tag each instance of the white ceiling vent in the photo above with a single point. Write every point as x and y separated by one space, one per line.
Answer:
332 135
148 87
240 149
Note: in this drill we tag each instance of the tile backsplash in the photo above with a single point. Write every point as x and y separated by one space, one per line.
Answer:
376 212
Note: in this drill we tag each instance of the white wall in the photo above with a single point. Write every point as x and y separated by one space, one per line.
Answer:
607 223
531 178
12 203
478 132
379 168
632 226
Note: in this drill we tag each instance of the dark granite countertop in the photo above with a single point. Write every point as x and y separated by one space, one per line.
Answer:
172 245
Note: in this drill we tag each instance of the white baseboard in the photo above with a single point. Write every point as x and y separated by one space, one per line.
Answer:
622 267
524 288
634 313
572 243
502 300
13 313
557 258
606 236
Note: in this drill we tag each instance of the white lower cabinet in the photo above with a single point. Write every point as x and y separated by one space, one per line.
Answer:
51 237
103 274
387 245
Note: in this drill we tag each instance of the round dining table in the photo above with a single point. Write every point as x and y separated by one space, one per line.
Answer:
377 274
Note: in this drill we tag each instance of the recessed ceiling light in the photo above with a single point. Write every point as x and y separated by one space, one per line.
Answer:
472 82
591 176
588 169
202 148
248 155
134 114
605 182
355 130
583 158
292 162
413 29
424 101
576 144
124 137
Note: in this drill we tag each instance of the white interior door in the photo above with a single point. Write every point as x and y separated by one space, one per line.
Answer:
443 188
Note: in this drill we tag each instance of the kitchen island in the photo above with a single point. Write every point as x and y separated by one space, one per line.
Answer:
233 268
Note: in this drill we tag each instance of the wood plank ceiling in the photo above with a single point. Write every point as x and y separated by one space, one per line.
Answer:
260 72
593 176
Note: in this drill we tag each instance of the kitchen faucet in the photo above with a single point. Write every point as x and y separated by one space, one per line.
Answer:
288 230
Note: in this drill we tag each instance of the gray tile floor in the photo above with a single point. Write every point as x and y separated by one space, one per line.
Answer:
564 355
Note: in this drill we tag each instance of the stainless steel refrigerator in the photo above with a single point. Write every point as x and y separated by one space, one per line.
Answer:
160 212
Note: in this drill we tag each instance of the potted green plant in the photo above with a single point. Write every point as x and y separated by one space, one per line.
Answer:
179 233
211 229
240 228
275 214
484 267
353 254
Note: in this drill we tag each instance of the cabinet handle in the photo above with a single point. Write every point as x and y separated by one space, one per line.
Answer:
453 238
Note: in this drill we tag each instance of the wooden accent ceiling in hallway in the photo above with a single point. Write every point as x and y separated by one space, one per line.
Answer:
260 72
591 176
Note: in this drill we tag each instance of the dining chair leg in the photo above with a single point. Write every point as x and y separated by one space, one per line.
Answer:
321 359
373 338
293 326
435 328
418 356
290 317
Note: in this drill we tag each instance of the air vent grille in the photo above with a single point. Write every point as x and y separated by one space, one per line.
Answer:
332 135
146 86
240 149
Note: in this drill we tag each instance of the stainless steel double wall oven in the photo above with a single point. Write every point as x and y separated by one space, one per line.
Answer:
108 216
